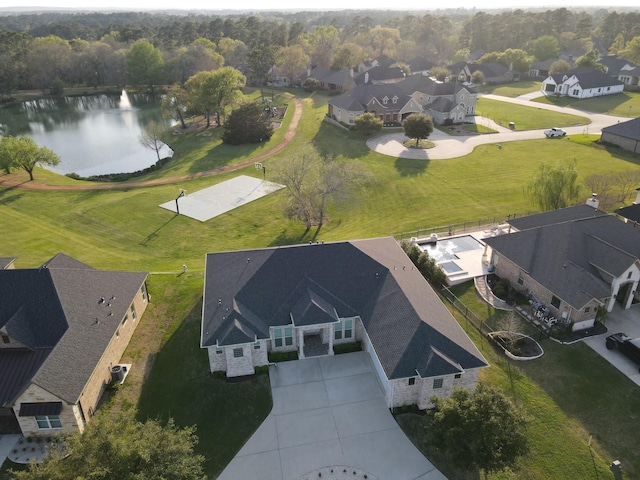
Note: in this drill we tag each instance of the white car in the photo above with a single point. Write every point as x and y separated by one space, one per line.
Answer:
555 132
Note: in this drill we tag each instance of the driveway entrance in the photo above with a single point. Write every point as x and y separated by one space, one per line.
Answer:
329 413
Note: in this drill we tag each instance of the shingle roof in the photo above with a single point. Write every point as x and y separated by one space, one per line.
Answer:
385 61
630 129
379 74
5 262
70 310
567 214
588 78
372 279
359 97
544 64
441 104
632 212
489 69
572 258
614 64
419 64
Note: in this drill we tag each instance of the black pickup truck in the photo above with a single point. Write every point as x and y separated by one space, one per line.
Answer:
629 347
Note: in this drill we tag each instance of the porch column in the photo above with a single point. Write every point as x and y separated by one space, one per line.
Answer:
630 295
300 343
331 339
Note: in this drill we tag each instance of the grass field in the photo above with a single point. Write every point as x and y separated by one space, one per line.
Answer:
525 118
125 229
626 104
511 89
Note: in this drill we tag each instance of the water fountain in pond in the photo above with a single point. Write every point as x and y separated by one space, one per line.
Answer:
125 103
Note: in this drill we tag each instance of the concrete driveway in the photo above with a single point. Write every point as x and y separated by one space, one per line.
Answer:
452 147
627 321
7 442
329 415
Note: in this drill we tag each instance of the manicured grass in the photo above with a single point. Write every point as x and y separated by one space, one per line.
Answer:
625 104
180 386
411 143
569 394
477 128
525 118
511 89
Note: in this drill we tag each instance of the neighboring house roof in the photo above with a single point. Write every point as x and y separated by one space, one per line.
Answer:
420 64
614 64
420 83
544 64
6 262
357 99
409 327
552 217
385 60
442 104
587 78
65 313
341 77
489 70
379 74
631 212
573 259
634 72
629 129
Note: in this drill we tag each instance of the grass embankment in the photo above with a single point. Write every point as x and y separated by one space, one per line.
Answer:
525 118
125 229
625 104
511 89
569 395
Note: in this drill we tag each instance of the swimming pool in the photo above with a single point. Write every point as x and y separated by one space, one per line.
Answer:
446 249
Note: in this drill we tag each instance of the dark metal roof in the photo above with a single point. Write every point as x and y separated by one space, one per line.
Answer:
630 129
372 279
69 309
42 408
573 259
17 368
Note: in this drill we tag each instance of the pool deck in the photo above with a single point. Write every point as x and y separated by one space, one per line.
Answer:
473 263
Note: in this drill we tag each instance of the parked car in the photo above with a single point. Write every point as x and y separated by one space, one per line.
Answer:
629 347
555 132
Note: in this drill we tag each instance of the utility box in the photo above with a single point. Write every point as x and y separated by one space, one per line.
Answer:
616 469
512 125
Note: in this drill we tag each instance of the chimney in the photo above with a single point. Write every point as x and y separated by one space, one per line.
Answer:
593 201
637 197
366 77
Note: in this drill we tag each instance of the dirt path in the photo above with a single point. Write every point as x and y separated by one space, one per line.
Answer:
10 181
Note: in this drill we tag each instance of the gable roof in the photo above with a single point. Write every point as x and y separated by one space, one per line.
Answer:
552 217
544 64
587 78
420 64
634 72
629 129
574 259
359 97
65 313
614 64
385 60
379 74
317 284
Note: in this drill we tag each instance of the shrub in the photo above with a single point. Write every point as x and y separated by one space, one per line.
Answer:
311 85
262 370
347 348
275 357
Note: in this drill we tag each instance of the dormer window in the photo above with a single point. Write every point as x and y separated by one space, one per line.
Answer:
6 339
394 99
385 100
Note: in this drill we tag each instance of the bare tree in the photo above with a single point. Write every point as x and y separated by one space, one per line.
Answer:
151 137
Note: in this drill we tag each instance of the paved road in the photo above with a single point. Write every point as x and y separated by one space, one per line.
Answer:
329 414
452 147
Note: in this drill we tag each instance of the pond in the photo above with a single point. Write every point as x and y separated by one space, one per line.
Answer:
92 135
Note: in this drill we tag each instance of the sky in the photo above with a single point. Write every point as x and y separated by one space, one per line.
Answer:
301 5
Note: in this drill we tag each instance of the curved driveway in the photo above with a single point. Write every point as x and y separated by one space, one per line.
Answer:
448 146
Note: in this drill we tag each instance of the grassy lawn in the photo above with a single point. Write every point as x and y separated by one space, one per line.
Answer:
525 118
511 89
125 229
625 104
477 128
569 395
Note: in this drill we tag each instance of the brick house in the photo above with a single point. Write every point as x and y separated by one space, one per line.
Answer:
310 298
574 260
63 327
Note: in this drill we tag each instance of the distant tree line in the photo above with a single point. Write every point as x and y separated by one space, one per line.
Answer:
50 51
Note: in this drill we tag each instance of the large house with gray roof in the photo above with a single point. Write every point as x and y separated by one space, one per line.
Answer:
63 327
624 135
581 82
310 298
574 260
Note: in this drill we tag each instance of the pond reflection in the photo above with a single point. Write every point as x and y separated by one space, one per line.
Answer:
90 134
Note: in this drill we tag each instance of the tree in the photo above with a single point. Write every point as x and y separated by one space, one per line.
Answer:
559 66
418 126
545 47
47 61
292 62
175 103
554 186
440 73
22 152
477 77
123 448
632 50
249 123
151 137
618 45
517 59
322 43
590 59
430 270
311 85
313 183
384 39
348 55
368 123
225 85
261 60
144 64
479 430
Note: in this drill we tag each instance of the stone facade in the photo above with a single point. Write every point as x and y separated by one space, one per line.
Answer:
28 425
420 392
628 143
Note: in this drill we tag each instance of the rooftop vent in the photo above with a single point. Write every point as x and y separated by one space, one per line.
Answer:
593 201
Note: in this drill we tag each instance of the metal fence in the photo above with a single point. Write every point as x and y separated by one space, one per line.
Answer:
481 325
460 227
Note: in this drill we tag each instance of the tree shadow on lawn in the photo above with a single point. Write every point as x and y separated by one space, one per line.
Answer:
180 386
222 154
333 140
410 167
